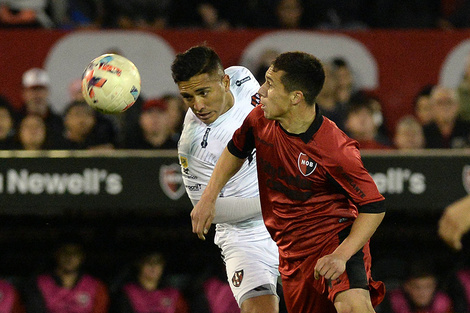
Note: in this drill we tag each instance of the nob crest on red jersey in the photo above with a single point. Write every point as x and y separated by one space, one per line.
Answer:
306 164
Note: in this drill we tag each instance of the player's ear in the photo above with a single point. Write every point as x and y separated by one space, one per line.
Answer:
296 97
226 82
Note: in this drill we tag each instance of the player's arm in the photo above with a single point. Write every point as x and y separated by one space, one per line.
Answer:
362 190
204 211
455 222
333 265
234 209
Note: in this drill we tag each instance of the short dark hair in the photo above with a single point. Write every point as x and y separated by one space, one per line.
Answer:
423 92
359 101
303 72
195 61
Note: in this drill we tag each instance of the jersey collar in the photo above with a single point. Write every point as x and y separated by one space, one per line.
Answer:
314 127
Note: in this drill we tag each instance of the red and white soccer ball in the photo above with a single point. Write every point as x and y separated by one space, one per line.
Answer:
111 83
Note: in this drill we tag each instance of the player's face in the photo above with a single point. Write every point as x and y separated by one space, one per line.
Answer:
207 95
274 97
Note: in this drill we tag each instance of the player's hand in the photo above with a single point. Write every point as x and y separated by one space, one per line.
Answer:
454 223
330 266
202 216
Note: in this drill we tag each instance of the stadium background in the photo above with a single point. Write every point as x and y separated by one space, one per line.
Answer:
33 219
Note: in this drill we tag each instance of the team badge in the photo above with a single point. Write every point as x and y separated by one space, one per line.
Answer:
171 181
306 164
183 161
466 178
255 99
237 278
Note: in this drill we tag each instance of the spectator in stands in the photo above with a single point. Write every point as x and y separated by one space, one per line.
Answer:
289 14
31 13
337 14
107 123
379 117
127 14
85 130
75 90
459 17
458 288
154 130
209 291
422 105
7 124
147 291
345 79
248 13
416 14
10 301
447 130
420 292
408 134
36 101
32 134
327 99
71 14
210 18
176 111
360 125
266 57
67 287
463 91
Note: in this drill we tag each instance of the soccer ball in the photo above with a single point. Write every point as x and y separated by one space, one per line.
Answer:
111 83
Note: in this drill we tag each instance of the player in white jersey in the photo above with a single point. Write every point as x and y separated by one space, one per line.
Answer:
219 101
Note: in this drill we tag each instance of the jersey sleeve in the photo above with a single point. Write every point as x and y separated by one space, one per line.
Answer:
242 143
243 81
346 168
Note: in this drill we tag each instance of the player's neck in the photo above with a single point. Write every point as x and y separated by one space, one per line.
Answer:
299 119
230 102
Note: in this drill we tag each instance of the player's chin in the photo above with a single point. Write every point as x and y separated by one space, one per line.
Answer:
267 115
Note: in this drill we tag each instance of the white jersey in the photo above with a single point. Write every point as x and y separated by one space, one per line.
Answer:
250 255
201 145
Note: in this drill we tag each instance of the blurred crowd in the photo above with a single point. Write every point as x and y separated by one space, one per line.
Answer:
150 124
64 284
440 119
225 14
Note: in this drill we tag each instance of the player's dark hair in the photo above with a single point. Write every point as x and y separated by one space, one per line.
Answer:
195 61
303 72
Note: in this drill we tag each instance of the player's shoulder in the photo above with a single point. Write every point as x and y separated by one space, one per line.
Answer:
237 70
240 76
257 114
334 142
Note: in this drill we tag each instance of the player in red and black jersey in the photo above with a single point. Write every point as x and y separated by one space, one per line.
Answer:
319 203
